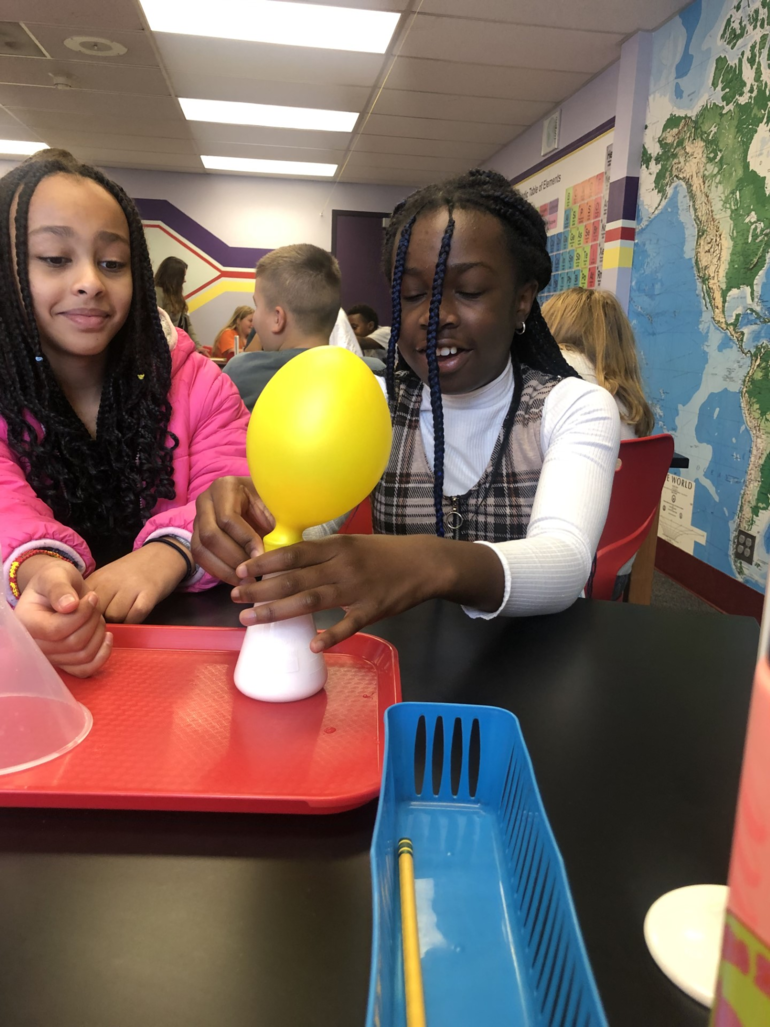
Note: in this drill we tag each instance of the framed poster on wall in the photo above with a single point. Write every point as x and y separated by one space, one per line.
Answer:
571 190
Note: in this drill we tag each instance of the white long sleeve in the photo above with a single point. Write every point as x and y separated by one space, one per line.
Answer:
580 435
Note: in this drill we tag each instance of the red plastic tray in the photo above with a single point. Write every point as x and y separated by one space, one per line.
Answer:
172 732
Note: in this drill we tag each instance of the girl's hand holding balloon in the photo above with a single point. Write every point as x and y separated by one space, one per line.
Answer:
62 614
371 576
230 522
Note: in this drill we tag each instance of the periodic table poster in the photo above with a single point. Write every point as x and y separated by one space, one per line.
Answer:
572 195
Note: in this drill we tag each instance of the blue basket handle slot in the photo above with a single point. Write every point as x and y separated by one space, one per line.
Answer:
420 748
440 770
451 748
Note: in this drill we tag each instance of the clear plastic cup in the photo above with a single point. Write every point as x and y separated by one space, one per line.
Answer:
39 716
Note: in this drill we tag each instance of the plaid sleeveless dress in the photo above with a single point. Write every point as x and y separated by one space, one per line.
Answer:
493 510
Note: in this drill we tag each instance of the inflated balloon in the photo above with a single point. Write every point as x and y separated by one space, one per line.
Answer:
318 441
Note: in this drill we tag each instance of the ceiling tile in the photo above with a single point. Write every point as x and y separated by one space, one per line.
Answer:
13 128
386 176
600 15
408 161
79 142
141 159
483 42
471 151
218 137
106 16
138 44
116 78
427 128
84 102
512 83
370 5
489 110
43 121
269 151
252 89
207 57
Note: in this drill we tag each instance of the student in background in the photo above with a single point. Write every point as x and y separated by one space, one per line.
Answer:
297 302
169 279
596 338
109 427
366 324
363 320
500 473
238 328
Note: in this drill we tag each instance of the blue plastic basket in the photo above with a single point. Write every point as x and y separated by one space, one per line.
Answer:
499 938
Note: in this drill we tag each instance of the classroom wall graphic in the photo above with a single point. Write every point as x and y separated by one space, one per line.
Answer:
219 277
571 191
700 291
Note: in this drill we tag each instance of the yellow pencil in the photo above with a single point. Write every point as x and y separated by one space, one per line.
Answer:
415 999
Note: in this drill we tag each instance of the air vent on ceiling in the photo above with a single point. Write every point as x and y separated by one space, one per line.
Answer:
15 41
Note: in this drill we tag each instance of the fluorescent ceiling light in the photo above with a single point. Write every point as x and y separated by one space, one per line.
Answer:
273 21
230 112
20 147
269 167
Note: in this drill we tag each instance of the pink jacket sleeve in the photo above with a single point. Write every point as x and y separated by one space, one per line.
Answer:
215 423
25 518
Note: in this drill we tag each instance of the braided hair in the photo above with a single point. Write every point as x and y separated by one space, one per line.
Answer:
103 488
526 237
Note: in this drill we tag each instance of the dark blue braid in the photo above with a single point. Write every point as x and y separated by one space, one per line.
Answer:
395 294
433 374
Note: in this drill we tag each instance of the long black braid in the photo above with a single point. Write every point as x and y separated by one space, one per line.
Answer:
395 295
104 488
527 239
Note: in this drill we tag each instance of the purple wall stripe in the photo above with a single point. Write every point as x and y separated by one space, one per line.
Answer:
205 241
565 151
621 205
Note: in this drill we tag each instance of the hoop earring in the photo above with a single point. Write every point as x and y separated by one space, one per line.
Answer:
520 331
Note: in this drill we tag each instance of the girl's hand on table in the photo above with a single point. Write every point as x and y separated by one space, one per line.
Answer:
230 522
62 614
129 588
370 576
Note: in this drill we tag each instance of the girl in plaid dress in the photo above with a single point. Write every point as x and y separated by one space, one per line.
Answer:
502 462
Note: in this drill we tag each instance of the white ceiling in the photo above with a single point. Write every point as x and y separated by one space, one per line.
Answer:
467 78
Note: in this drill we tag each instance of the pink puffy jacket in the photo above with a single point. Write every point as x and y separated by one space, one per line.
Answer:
210 422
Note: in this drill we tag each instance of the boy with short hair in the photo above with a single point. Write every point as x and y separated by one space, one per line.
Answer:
297 295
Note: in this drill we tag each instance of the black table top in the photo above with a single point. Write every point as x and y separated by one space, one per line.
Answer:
634 718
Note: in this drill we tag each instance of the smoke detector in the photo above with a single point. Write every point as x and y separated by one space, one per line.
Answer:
95 46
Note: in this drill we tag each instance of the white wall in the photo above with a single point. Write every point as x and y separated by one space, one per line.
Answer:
260 212
591 106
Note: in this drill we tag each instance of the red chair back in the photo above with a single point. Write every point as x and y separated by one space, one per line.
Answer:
360 521
635 497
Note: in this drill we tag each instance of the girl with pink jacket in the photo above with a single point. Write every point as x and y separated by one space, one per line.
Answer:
110 423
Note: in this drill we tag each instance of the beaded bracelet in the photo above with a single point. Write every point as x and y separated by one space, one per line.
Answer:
13 572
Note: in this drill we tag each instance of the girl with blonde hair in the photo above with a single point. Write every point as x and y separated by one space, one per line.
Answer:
596 338
238 327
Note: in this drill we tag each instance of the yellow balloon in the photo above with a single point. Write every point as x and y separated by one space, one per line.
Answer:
318 441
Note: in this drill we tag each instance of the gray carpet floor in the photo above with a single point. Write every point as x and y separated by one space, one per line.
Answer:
666 592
